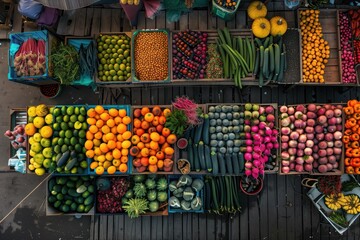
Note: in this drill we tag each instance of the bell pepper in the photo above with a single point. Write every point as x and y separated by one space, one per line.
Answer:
356 115
357 170
348 132
347 161
350 170
345 139
352 102
355 152
354 137
357 108
348 110
355 162
348 152
351 122
355 128
355 144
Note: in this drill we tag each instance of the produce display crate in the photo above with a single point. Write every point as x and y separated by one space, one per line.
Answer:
133 72
318 197
76 43
339 54
200 194
51 211
224 13
129 128
329 23
182 153
133 169
275 106
56 173
128 80
17 116
338 171
212 36
18 38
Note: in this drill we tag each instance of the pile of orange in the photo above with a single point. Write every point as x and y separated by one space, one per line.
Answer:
152 143
108 139
315 49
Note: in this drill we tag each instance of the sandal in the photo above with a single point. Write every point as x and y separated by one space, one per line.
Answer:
309 182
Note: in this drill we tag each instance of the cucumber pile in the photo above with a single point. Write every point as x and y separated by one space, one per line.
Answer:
72 194
270 59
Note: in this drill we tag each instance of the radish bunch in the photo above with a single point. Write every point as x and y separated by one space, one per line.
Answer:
260 138
311 138
347 53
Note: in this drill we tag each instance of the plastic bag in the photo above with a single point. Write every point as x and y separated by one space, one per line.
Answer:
30 8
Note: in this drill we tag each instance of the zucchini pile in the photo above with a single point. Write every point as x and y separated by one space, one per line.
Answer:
222 194
72 194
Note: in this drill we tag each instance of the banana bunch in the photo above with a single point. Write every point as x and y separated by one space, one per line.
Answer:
130 2
352 204
335 201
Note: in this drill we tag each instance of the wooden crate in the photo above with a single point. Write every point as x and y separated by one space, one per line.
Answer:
340 52
338 171
133 170
329 23
212 36
97 80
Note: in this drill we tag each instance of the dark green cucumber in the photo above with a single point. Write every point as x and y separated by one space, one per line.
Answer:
89 200
198 131
266 42
222 165
196 158
235 163
207 156
258 42
201 150
51 184
190 155
241 162
214 196
207 195
70 164
58 156
265 68
229 167
72 192
63 159
215 163
277 59
257 62
205 130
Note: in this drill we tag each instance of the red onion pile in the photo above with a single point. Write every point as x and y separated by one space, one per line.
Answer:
347 53
109 201
311 138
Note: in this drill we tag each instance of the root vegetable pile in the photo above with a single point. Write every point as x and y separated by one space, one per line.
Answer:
151 56
315 50
30 58
189 50
347 54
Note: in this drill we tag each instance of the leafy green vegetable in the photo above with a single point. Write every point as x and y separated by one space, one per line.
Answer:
177 122
65 60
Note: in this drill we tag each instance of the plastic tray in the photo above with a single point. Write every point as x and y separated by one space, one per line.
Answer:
198 194
129 128
133 73
318 199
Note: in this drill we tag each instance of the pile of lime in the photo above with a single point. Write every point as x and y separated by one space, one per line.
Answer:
71 194
114 57
69 136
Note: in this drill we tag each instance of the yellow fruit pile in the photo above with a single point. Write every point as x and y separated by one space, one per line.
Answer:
315 50
108 139
39 131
